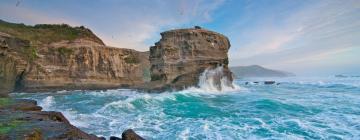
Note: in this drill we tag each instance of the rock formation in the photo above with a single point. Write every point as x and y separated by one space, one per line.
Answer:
181 55
23 119
59 57
81 62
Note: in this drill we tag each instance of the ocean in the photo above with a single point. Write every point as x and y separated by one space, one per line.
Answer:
297 108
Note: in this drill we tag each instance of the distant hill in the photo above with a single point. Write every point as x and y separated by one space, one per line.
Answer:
258 71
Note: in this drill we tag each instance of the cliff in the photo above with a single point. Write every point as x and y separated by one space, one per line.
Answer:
258 71
181 55
56 57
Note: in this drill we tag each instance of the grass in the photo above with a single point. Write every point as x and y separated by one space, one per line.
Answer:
131 59
5 101
31 52
6 127
46 33
65 51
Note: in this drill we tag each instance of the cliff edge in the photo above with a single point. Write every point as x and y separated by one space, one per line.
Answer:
57 57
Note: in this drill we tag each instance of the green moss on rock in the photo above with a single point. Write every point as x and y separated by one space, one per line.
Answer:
65 51
131 59
6 127
5 101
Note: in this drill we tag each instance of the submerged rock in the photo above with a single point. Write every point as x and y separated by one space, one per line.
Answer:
130 135
181 55
269 82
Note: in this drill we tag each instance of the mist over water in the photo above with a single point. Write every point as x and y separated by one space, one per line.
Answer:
298 108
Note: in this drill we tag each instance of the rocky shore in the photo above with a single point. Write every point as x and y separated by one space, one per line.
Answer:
60 57
23 119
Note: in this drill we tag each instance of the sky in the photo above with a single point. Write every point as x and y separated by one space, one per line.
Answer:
306 37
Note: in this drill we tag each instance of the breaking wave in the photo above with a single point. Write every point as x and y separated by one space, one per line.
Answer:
214 81
295 109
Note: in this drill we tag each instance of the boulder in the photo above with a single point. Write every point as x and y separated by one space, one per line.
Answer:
130 135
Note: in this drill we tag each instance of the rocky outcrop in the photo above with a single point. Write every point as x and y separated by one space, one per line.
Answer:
130 135
23 119
68 64
181 55
57 57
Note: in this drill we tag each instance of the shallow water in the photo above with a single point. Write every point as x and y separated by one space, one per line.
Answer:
298 108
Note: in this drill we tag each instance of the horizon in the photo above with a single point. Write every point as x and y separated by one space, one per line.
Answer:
308 38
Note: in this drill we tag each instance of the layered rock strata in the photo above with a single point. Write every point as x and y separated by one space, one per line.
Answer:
181 55
76 64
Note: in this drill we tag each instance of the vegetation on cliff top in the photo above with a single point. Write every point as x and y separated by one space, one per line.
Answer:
47 33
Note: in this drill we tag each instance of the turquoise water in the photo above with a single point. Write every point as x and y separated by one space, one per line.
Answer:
298 108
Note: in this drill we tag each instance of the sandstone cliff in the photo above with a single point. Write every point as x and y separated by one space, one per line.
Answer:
60 57
29 62
181 55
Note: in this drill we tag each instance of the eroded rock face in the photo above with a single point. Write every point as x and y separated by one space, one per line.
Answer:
13 62
181 55
78 64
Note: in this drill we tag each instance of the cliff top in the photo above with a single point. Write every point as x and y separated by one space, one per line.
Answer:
48 33
195 29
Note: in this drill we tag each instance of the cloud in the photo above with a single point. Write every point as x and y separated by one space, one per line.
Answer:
22 14
140 29
311 33
124 24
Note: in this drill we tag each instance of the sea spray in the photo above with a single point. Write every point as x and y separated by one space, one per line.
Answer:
215 80
299 108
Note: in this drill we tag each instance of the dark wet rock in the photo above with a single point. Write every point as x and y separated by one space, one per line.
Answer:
269 82
256 82
19 119
19 104
197 27
102 138
114 138
130 135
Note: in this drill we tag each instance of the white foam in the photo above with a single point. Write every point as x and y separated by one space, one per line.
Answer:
184 135
208 83
47 103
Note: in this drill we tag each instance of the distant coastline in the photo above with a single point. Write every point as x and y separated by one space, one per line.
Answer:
258 71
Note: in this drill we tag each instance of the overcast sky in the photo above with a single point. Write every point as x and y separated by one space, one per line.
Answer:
307 37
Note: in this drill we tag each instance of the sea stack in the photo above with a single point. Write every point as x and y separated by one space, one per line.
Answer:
182 55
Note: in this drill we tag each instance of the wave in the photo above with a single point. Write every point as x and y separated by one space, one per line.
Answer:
214 81
47 103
